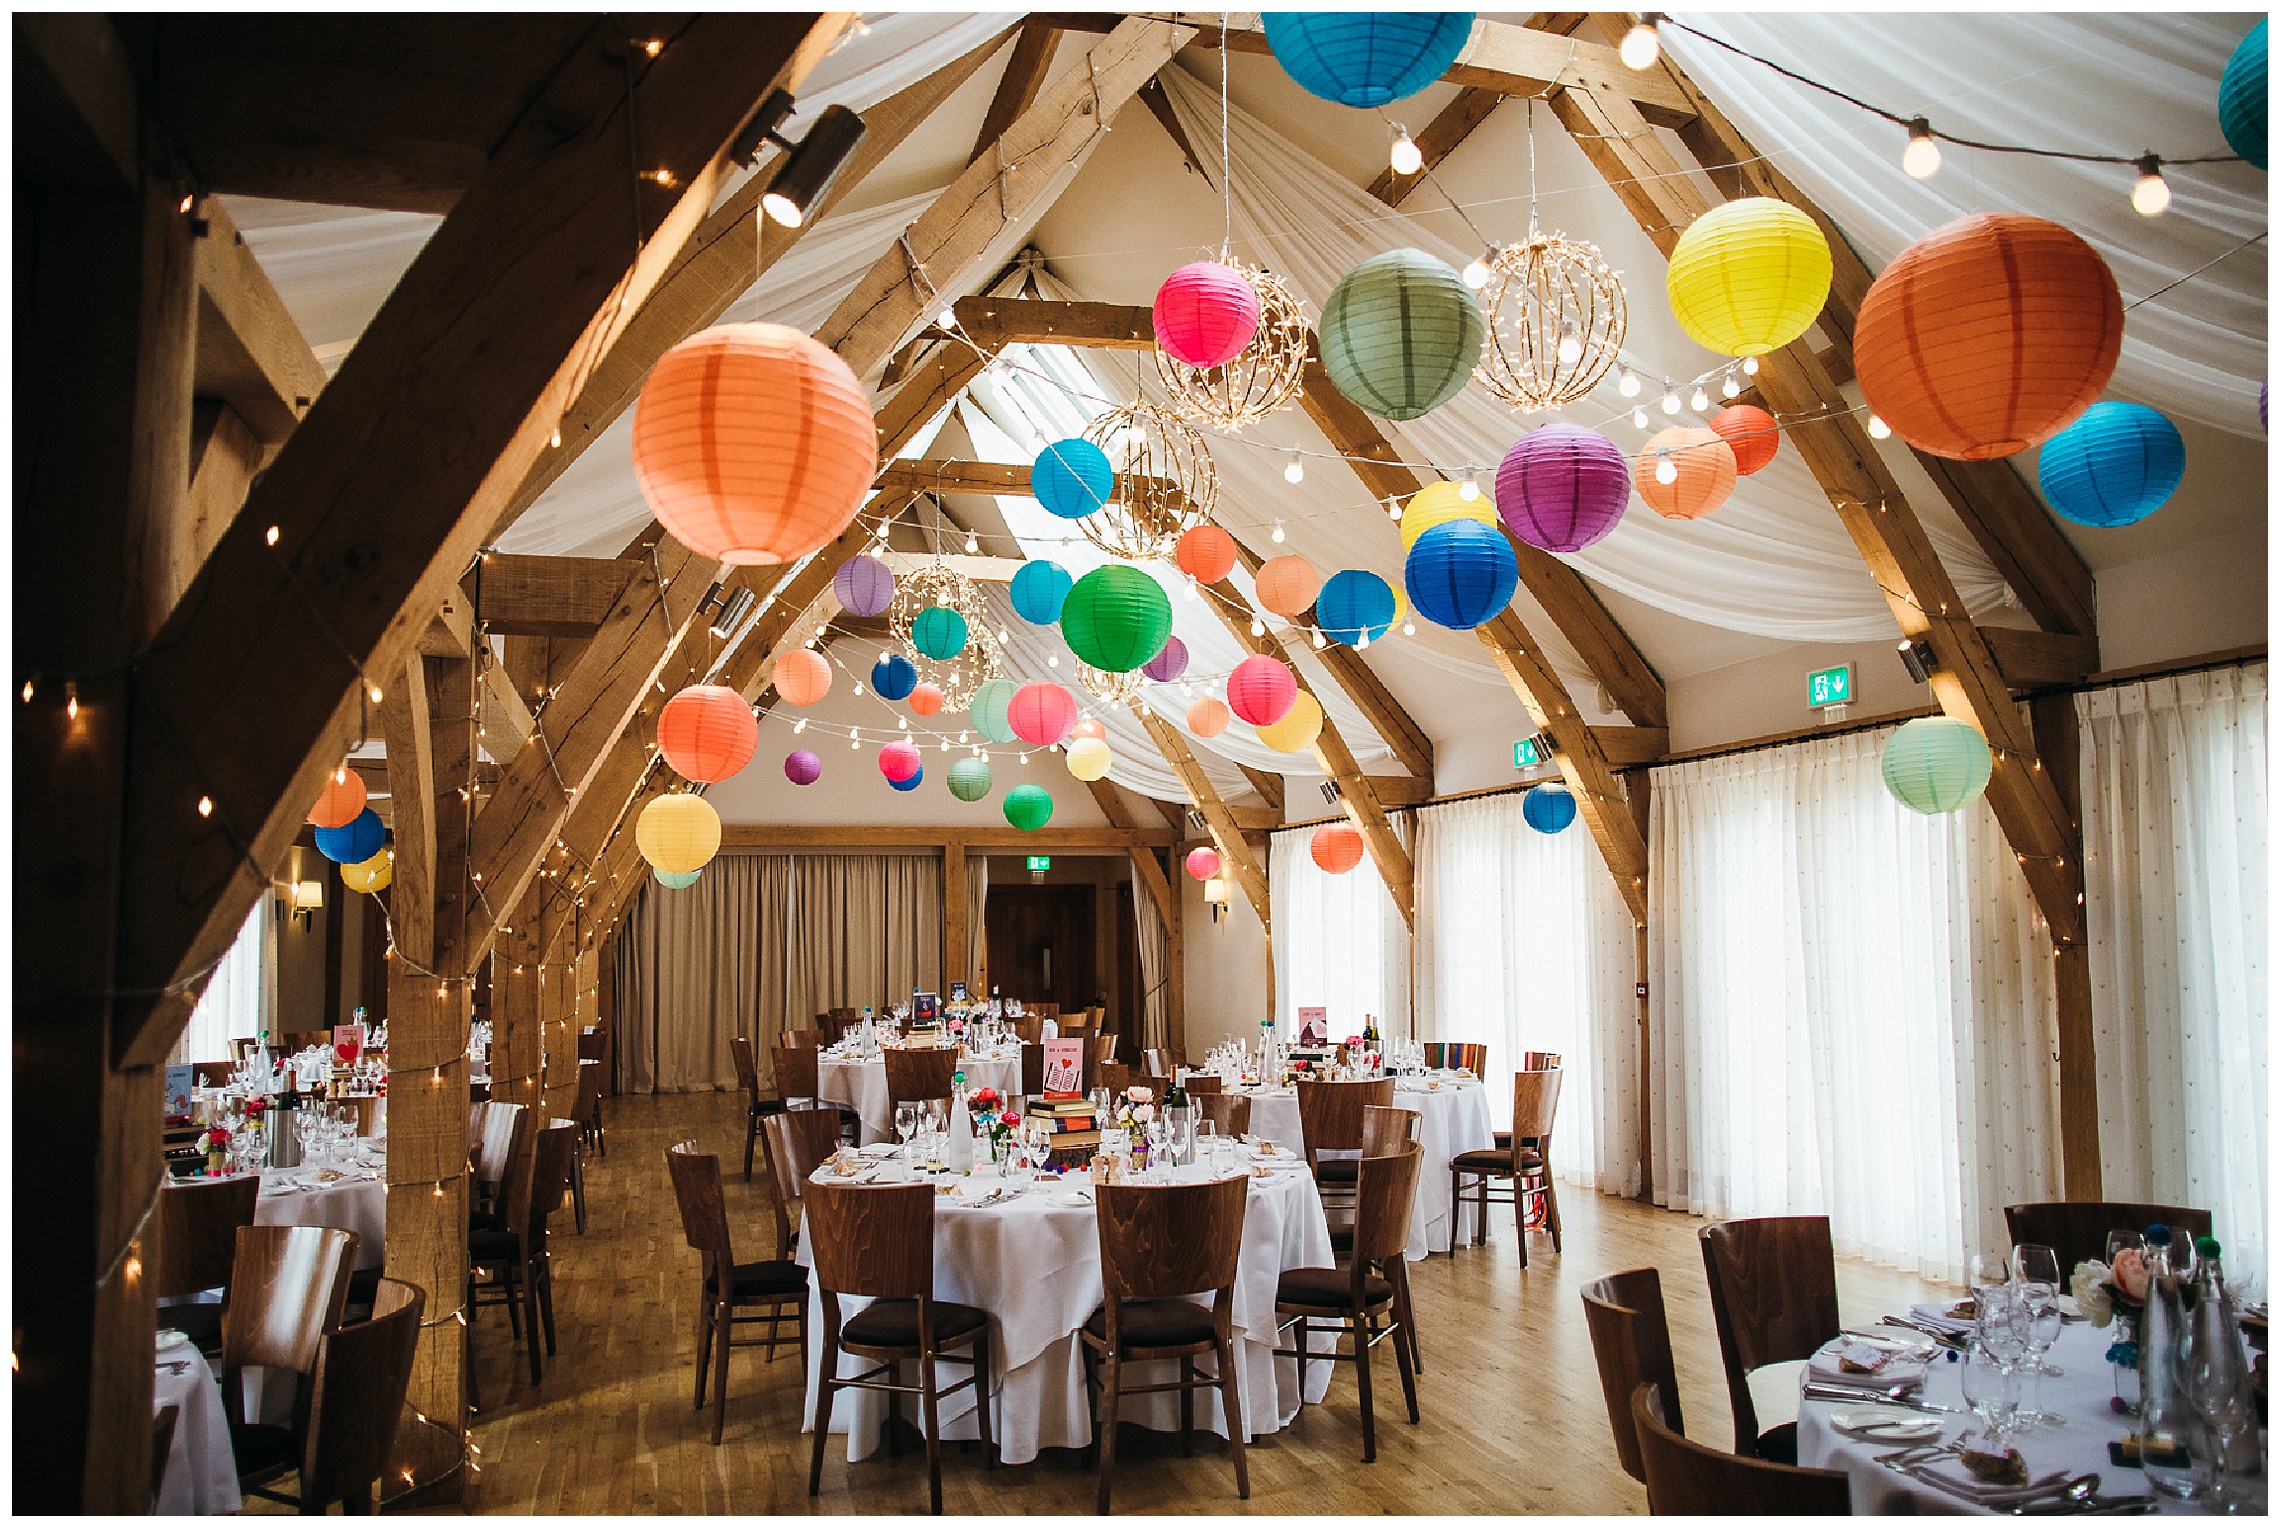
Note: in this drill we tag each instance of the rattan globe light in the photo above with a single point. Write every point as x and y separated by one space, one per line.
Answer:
1166 482
940 587
1114 689
1262 380
1556 320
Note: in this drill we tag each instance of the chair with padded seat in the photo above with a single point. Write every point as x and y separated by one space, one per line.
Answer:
288 1287
1384 1130
1156 1061
198 1222
1199 1084
1367 1290
1530 1061
919 1076
587 1103
1773 1298
1525 1161
492 1128
1689 1479
1160 1244
756 1102
1630 1336
1453 1055
1229 1113
362 1373
877 1242
796 1143
805 1039
726 1285
2077 1231
499 1243
1330 1119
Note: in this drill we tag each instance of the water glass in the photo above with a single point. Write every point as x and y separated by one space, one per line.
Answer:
906 1123
1989 1270
1991 1390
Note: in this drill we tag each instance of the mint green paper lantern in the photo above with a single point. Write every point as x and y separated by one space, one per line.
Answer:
1028 807
1401 334
676 880
1936 765
939 632
1116 618
988 710
970 779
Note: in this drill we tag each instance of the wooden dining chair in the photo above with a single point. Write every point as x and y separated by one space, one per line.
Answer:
1530 1061
755 1102
1469 1055
1030 1025
212 1074
1330 1119
1773 1297
586 1104
1229 1113
2077 1231
1161 1244
878 1242
777 1289
797 1142
590 1103
288 1286
1367 1290
799 1084
919 1076
1685 1478
356 1401
198 1223
1202 1084
494 1131
806 1039
498 1243
1157 1061
1525 1162
1630 1336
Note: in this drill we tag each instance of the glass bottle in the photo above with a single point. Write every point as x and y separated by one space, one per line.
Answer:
1179 1125
2170 1436
958 1151
2216 1375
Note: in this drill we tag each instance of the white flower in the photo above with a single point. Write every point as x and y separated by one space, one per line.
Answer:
2090 1291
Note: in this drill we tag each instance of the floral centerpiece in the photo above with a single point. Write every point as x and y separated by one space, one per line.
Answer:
215 1145
995 1119
2115 1296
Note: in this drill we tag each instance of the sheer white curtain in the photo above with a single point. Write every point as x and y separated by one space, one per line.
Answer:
1852 1007
2174 815
235 1004
1523 943
1339 942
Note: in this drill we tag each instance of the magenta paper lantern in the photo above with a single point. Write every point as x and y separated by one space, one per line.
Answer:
1261 691
865 585
1202 864
899 760
1041 714
1205 314
802 767
1562 487
1169 664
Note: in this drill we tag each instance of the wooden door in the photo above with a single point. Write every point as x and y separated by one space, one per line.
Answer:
1041 944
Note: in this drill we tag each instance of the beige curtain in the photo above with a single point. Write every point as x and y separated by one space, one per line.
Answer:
977 928
1155 943
865 928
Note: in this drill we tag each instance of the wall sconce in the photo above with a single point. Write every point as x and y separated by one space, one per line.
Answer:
1215 892
298 897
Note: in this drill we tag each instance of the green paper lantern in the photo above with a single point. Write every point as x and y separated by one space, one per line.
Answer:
1116 618
1401 334
970 779
1028 807
939 633
1936 765
676 880
988 710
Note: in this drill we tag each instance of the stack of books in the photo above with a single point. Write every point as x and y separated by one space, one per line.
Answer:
1070 1116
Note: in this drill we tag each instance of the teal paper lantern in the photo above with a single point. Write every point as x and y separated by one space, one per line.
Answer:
354 841
1366 58
1548 808
676 880
1038 590
1354 607
1401 334
1028 807
970 779
988 710
1461 573
1936 764
1072 478
2241 105
1116 618
2115 465
939 632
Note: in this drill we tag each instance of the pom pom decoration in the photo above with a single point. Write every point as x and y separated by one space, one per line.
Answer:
1207 717
970 779
1936 764
894 676
1354 606
1205 554
1704 465
1298 729
1039 588
1987 336
1749 276
926 699
370 876
1042 714
802 677
1366 58
1548 808
1205 314
1202 864
354 841
1028 807
1169 664
1089 758
911 781
1751 434
2241 104
1438 504
1401 334
752 443
342 798
1461 574
1072 478
865 585
1260 690
707 732
1562 487
1286 585
899 760
938 632
2115 465
678 833
676 880
802 767
1336 848
1116 618
988 710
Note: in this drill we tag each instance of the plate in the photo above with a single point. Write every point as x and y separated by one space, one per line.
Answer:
169 1339
1886 1424
1073 1199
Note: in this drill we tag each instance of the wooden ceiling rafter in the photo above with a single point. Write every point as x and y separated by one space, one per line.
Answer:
1234 848
1025 69
1442 136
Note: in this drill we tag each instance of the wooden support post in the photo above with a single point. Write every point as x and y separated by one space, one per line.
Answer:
517 958
955 939
1638 793
1175 945
405 724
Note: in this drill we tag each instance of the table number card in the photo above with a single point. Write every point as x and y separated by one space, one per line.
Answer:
1064 1066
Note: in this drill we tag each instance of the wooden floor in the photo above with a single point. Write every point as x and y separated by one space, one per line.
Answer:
1513 1420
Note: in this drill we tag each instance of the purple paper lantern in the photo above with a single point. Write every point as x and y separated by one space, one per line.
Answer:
802 767
1562 487
865 585
1168 664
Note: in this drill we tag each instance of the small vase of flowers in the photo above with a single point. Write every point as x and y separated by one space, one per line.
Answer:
2115 1296
215 1144
996 1120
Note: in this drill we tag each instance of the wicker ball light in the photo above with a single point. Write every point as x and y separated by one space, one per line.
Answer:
802 677
1461 574
864 585
936 609
1702 468
1205 314
1754 435
1072 478
1336 848
1401 334
1936 764
678 833
1262 379
2115 465
1109 688
1556 320
1116 618
1438 504
1260 690
342 798
1286 585
1028 807
1562 487
1167 483
707 732
1298 729
2242 100
1749 276
1366 58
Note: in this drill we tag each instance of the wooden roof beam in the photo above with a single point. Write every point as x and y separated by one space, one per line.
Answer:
1017 88
1438 141
1234 849
547 596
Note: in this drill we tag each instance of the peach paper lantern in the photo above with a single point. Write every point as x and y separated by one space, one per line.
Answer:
803 677
1702 468
1207 717
1287 585
342 799
1089 727
926 699
707 732
1335 848
1206 554
1261 690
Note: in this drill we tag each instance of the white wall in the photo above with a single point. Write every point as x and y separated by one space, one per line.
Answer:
1226 968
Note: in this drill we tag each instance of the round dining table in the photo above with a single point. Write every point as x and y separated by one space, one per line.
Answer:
351 1194
200 1477
862 1085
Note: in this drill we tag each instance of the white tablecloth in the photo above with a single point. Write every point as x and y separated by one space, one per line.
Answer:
357 1202
1455 1120
1034 1265
201 1472
862 1086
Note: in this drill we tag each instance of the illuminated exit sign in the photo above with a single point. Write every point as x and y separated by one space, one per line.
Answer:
1526 755
1830 686
1041 862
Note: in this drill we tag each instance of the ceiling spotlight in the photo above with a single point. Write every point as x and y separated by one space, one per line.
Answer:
1406 158
1640 47
1921 158
812 166
2151 195
1916 658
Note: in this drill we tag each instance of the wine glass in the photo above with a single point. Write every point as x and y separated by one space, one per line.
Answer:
1989 1270
2118 1242
906 1123
1991 1390
1037 1146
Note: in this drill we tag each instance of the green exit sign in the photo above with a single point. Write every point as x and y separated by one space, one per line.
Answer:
1041 862
1525 754
1830 686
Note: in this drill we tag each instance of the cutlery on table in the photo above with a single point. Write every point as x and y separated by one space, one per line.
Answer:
1944 1339
1887 1395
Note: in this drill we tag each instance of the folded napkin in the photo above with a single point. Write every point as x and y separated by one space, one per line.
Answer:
1828 1367
1948 1473
1935 1315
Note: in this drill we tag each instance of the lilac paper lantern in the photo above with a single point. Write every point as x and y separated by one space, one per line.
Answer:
1169 664
802 767
865 585
1562 487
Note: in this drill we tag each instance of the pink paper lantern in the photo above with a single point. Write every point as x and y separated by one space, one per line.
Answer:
1261 691
899 760
1205 314
802 767
1041 714
1169 664
1203 864
1562 487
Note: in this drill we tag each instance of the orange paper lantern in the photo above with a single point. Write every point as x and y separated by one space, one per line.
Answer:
1208 717
802 677
753 443
926 699
1206 554
1752 434
1089 728
1703 468
1336 849
341 801
1286 585
1988 336
707 732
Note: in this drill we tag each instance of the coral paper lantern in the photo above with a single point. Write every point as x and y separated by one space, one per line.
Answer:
865 585
2241 103
1260 690
939 632
1042 714
707 732
1202 864
1088 728
1988 336
1438 504
1207 717
2115 465
988 710
354 841
1072 478
1703 468
1548 808
911 781
341 799
1039 588
678 833
1028 807
802 767
1562 487
1205 554
926 699
1169 664
1298 729
753 443
970 779
1286 585
1749 276
370 876
1336 848
1116 618
894 676
1355 607
899 760
1205 314
802 677
1751 433
1401 334
1936 764
1366 58
1461 574
1089 758
676 880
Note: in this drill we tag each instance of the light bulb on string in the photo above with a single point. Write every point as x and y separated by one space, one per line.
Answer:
1294 471
1749 366
1191 589
1393 510
1670 403
858 687
1921 158
1666 470
2151 194
1320 641
1409 628
1571 344
946 319
1258 627
1878 428
1476 274
1278 535
973 543
1406 158
1469 490
1701 398
1732 386
1639 418
1640 47
1052 660
1629 386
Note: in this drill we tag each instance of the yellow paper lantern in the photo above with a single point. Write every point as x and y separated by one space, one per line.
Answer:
1088 758
1438 504
678 834
1749 276
372 875
1296 732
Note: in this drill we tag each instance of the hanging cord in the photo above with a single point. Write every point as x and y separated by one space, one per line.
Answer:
1226 187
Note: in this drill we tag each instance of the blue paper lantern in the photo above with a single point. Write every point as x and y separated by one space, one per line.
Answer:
2240 99
1548 808
894 676
1038 590
1366 58
676 880
354 841
1461 573
1354 607
912 782
1072 478
2115 465
939 632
